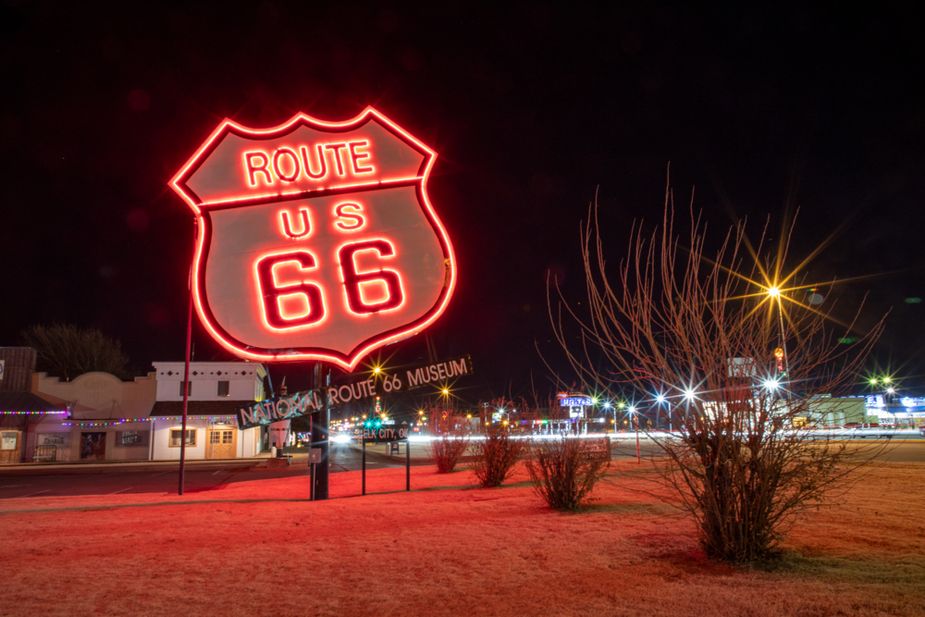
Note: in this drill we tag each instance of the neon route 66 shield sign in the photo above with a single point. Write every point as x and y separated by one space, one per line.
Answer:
316 240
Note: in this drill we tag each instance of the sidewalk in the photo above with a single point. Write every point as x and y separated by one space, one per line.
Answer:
39 469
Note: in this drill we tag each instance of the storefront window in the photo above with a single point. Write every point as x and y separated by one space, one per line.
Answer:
133 438
51 439
175 437
9 440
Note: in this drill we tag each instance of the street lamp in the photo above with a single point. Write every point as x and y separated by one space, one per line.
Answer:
631 410
661 399
774 293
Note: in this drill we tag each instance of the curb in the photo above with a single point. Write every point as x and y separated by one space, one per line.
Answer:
42 469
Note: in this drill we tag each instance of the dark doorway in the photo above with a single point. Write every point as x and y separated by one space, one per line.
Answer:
93 446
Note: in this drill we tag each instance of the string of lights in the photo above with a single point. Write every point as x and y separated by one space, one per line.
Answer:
120 421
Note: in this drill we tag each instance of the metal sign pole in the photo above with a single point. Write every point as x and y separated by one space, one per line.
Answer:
311 464
311 482
320 436
186 362
363 474
637 438
407 464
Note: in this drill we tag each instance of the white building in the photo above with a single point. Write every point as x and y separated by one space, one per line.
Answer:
216 391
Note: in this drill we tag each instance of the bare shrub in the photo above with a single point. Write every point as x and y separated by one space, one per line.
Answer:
447 450
721 341
495 457
565 470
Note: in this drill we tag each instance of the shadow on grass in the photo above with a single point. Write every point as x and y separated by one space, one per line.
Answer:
449 487
791 563
628 508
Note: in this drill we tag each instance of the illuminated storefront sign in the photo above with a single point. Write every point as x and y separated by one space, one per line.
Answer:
386 382
316 240
574 400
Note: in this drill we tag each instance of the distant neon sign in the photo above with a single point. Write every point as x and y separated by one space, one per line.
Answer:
575 400
316 240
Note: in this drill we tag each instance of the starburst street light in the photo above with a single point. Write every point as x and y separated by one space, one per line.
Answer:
779 288
631 410
608 406
771 384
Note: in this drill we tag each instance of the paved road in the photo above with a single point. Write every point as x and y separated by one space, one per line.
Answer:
164 479
344 457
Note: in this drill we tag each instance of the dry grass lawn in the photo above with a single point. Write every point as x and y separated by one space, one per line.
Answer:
448 548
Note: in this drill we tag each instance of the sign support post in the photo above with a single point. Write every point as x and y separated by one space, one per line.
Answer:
407 464
311 462
186 388
320 437
364 468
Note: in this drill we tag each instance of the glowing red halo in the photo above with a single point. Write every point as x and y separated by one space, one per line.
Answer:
354 169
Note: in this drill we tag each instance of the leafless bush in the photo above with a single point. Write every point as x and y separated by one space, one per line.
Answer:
565 470
741 362
447 450
495 457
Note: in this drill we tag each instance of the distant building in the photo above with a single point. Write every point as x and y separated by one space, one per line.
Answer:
216 391
826 411
896 410
23 413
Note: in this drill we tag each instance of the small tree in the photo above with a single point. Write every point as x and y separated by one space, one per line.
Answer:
67 351
495 457
447 450
565 470
725 340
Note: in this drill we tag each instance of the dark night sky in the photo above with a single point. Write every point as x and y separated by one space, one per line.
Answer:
530 109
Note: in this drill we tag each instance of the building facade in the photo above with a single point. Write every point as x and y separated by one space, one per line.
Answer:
109 418
216 390
23 414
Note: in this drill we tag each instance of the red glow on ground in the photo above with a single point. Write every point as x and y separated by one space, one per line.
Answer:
453 549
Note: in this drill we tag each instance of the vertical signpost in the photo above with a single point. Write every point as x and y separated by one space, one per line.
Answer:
320 440
316 242
375 432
